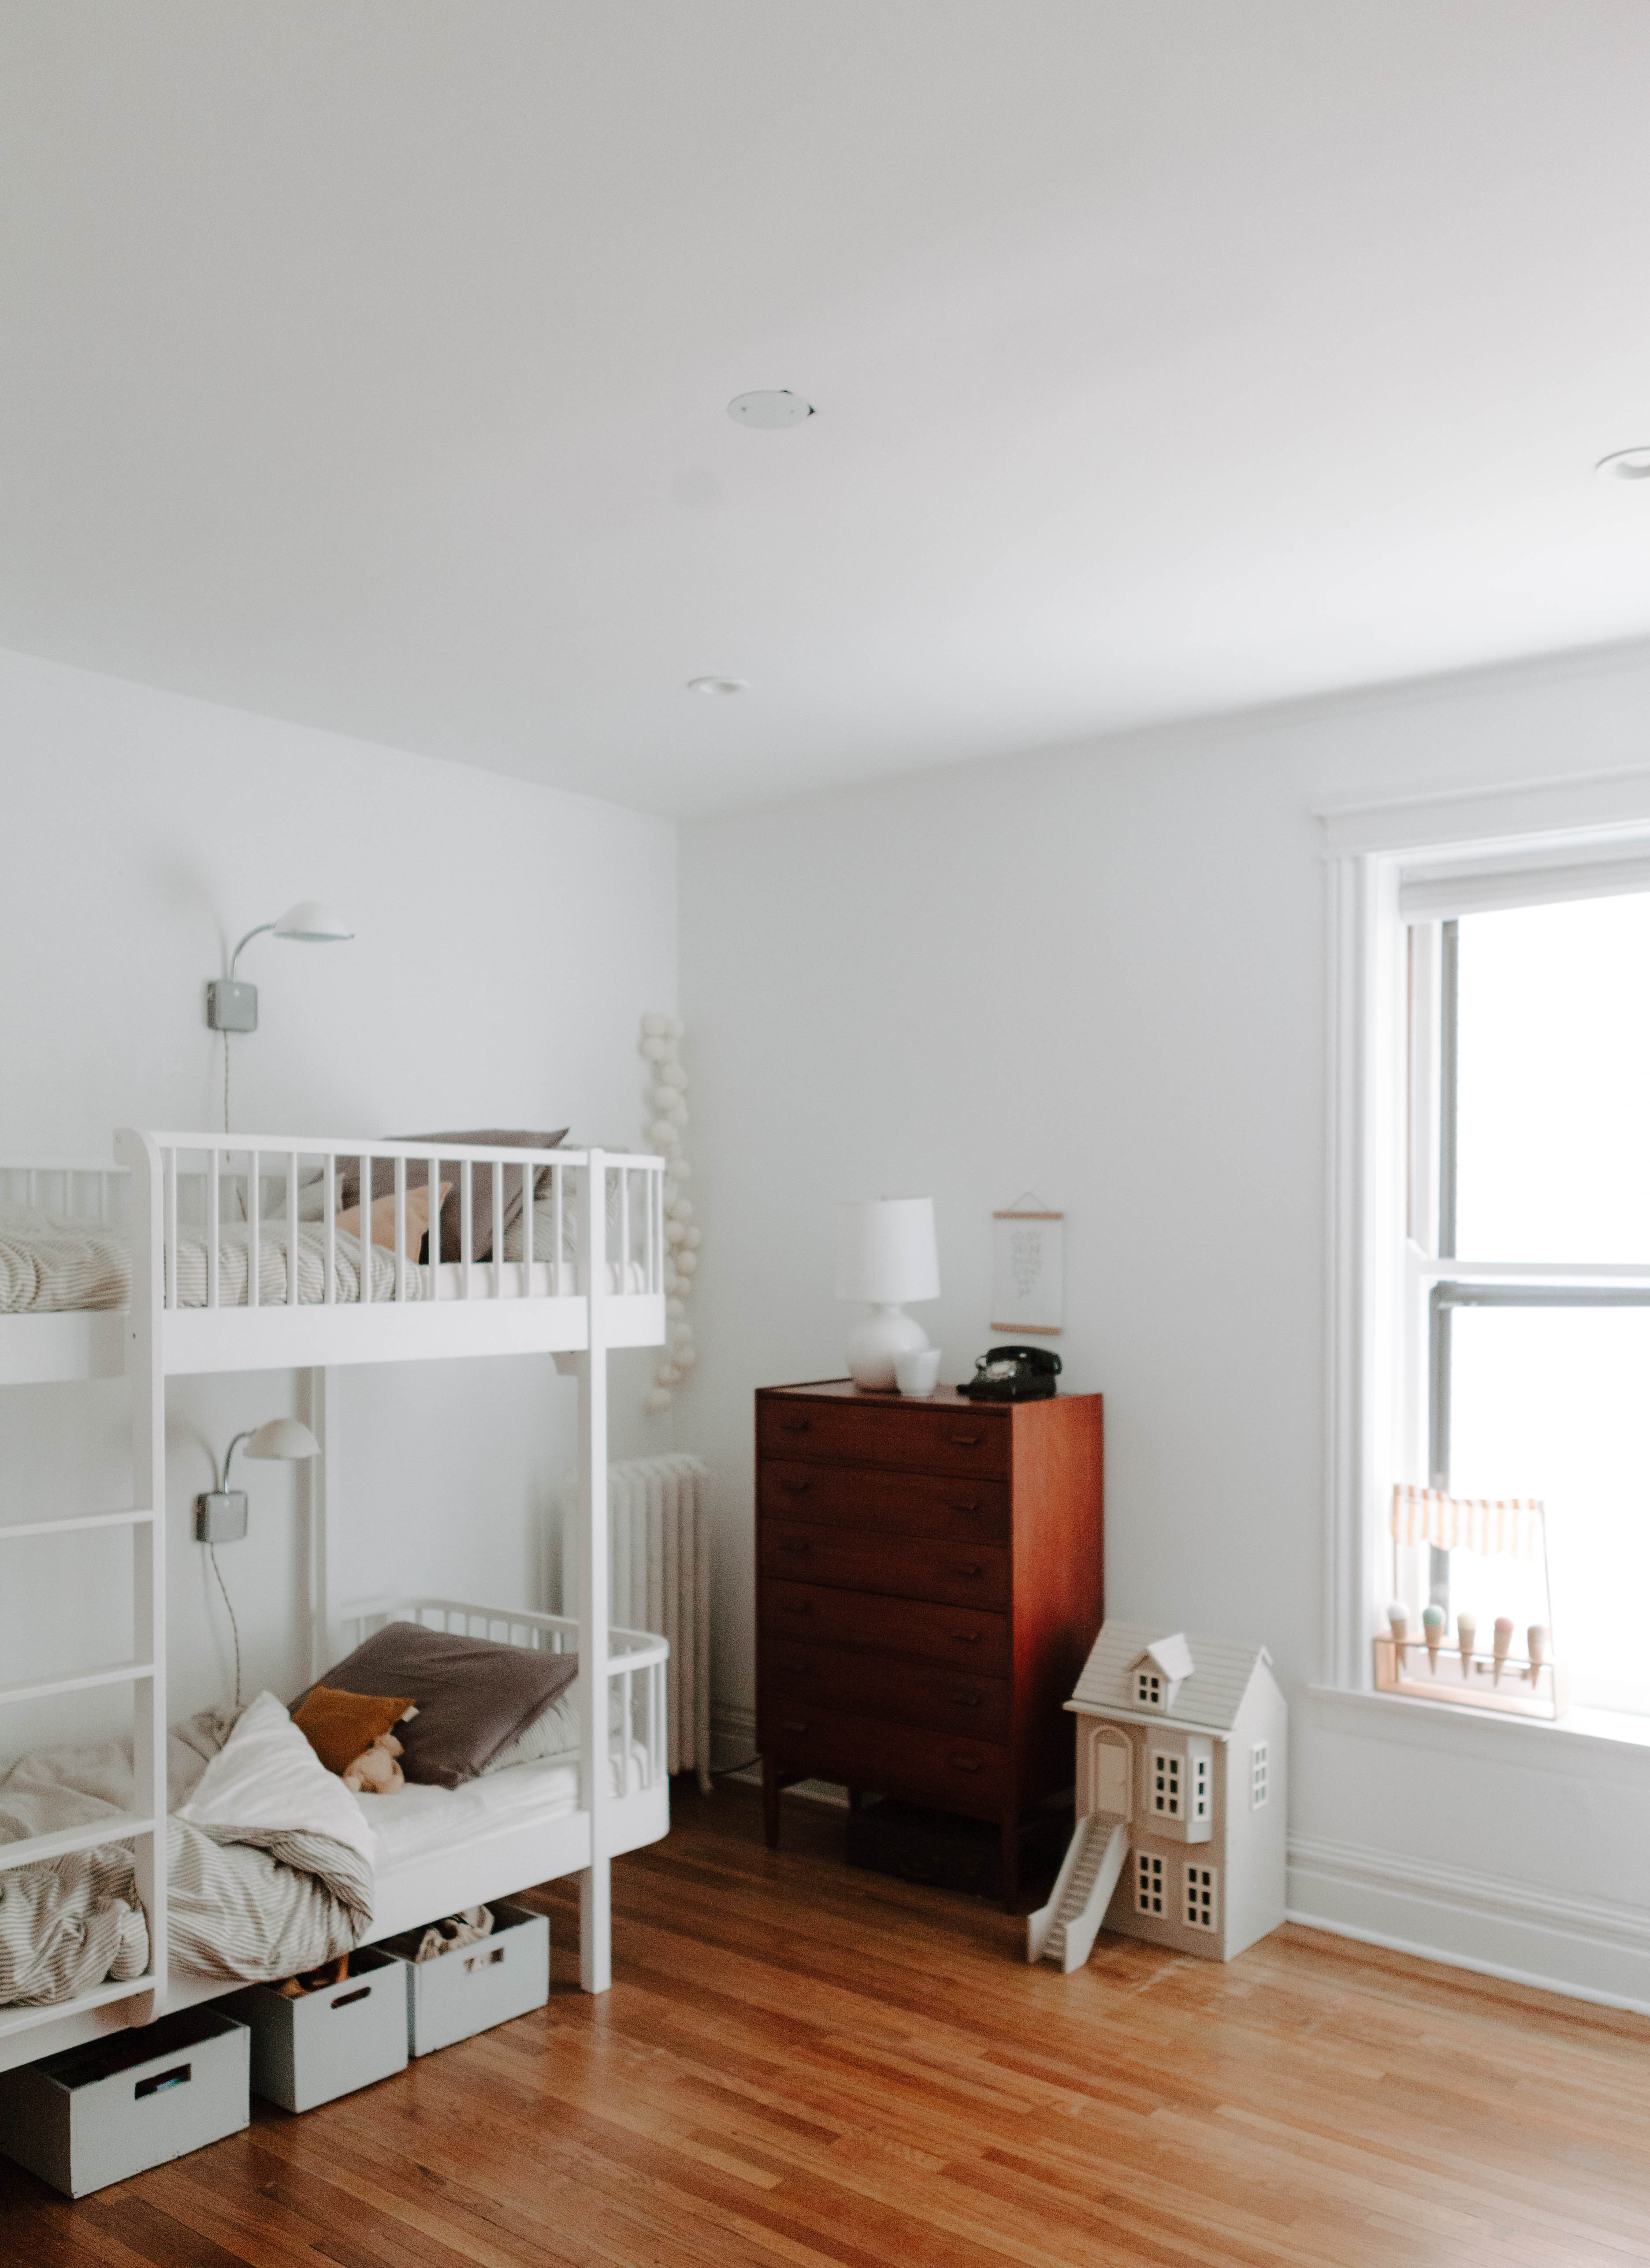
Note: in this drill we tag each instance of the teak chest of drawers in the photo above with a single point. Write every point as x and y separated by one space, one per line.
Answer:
929 1584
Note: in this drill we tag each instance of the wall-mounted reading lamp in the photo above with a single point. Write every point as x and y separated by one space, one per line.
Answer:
220 1513
233 1007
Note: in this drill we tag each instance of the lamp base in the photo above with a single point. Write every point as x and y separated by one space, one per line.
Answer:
873 1344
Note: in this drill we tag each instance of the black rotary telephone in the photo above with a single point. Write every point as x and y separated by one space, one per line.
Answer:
1014 1373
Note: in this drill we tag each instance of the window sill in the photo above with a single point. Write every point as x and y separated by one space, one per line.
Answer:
1584 1743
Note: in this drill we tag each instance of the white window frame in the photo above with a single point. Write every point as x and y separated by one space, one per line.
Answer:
1431 856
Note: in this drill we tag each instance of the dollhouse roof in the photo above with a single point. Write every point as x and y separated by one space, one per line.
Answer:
1208 1698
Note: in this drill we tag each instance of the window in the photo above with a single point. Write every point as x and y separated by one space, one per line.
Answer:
1200 1787
1148 1689
1148 1884
1524 1307
1260 1775
1201 1910
1165 1785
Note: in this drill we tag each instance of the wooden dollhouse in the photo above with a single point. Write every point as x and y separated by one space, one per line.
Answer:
1181 1747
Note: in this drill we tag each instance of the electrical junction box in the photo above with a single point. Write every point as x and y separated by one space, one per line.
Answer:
231 1006
220 1516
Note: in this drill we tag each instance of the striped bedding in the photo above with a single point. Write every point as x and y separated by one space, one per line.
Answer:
271 1862
50 1265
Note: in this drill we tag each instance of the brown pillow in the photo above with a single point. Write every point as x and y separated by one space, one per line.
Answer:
473 1695
340 1725
452 1172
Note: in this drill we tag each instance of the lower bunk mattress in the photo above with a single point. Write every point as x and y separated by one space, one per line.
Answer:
273 1866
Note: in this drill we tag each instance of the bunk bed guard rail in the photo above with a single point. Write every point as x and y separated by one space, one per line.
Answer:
223 1225
638 1740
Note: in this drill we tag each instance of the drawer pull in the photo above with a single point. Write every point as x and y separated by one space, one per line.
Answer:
797 1606
791 1724
163 2082
955 1570
965 1441
966 1764
966 1638
796 1487
787 1544
349 1999
966 1700
798 1668
971 1505
796 1425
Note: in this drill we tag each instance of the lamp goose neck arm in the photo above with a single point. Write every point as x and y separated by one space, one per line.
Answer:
244 942
238 1439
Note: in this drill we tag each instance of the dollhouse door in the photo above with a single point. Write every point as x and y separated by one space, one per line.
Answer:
1111 1773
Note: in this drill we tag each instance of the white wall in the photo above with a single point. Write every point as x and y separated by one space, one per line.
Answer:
509 938
1100 974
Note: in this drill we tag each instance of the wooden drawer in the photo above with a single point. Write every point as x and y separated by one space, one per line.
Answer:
798 1677
959 1775
867 1618
909 1566
883 1433
966 1510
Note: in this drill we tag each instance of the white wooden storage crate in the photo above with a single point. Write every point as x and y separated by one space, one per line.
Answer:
328 2043
475 1986
100 2113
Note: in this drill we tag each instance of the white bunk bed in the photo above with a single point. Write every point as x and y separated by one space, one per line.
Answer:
178 1199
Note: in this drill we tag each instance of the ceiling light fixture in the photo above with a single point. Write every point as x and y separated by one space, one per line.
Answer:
718 685
1624 465
770 408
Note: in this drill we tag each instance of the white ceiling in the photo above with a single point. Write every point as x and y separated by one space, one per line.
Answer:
366 365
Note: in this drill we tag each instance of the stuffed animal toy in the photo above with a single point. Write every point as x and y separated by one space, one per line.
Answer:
375 1772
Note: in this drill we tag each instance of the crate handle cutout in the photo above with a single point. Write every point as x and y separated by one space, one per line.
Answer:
180 2075
349 1999
484 1960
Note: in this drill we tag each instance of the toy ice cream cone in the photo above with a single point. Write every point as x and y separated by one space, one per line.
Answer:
1503 1643
1538 1641
1466 1633
1432 1629
1398 1615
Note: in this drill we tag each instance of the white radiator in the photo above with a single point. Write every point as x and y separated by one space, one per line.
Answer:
659 1568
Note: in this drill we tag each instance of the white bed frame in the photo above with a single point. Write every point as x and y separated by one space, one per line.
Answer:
166 1188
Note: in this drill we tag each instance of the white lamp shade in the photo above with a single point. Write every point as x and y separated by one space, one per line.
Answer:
282 1437
311 922
886 1251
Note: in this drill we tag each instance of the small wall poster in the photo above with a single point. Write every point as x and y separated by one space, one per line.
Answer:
1028 1268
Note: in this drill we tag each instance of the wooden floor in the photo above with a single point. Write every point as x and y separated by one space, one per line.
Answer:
801 2064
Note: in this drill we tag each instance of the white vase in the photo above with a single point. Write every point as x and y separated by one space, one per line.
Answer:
886 1331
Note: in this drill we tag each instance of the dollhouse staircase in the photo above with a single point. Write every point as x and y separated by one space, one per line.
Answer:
1064 1931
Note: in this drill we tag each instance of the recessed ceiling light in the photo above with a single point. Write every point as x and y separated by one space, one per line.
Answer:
770 408
718 685
1625 465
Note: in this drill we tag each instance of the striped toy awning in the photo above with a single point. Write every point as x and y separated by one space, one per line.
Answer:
1478 1524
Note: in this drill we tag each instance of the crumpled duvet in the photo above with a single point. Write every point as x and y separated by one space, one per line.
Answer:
270 1860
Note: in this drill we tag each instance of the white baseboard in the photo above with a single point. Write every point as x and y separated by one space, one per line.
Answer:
1587 1949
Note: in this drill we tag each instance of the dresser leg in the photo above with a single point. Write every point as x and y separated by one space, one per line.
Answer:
1011 1861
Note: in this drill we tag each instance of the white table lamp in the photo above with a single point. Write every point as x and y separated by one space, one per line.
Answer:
886 1252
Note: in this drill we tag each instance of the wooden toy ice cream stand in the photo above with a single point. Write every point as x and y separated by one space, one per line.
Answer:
1455 1561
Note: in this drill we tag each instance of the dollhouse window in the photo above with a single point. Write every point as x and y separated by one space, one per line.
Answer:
1202 1885
1165 1785
1260 1775
1148 1884
1200 1787
1148 1689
